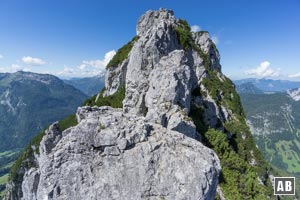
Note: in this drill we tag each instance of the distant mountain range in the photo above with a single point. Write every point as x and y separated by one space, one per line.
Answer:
248 88
274 120
29 102
269 85
88 85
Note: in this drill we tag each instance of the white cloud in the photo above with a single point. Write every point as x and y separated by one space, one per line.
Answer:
33 61
297 75
2 70
1 56
195 28
14 68
88 67
82 66
99 64
67 71
215 39
263 70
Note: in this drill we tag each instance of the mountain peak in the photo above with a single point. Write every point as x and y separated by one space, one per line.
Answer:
248 88
154 20
143 136
165 47
28 76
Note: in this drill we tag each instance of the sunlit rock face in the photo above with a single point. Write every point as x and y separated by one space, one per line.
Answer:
150 148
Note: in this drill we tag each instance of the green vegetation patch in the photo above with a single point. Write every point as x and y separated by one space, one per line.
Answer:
238 178
224 93
196 114
184 34
68 122
26 158
286 150
3 179
114 100
185 39
236 147
281 148
122 53
7 159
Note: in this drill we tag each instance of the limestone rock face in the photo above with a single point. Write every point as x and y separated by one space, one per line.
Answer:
150 148
109 155
157 38
115 78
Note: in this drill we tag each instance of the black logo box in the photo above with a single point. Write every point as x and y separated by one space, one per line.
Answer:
284 185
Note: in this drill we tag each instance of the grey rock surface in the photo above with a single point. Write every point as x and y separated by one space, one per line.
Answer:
202 39
157 38
149 149
111 155
115 78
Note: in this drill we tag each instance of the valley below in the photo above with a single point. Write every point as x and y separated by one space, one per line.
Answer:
274 121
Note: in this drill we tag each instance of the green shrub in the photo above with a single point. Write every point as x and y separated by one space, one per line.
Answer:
183 23
184 34
196 113
224 93
122 53
114 100
185 39
238 179
26 158
68 122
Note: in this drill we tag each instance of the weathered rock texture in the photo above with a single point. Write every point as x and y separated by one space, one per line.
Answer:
150 149
111 155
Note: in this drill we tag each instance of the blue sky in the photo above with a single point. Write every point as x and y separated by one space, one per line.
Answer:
256 38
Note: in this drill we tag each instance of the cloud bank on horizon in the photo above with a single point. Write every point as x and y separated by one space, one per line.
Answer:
33 61
89 68
263 70
86 68
76 43
297 75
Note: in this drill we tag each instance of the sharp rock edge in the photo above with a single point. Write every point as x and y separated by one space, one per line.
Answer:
147 150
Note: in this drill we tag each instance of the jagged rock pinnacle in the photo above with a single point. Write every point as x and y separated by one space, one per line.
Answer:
149 149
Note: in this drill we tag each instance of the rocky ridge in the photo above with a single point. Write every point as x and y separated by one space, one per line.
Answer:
150 148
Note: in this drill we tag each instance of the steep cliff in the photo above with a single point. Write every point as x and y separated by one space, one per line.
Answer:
164 98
